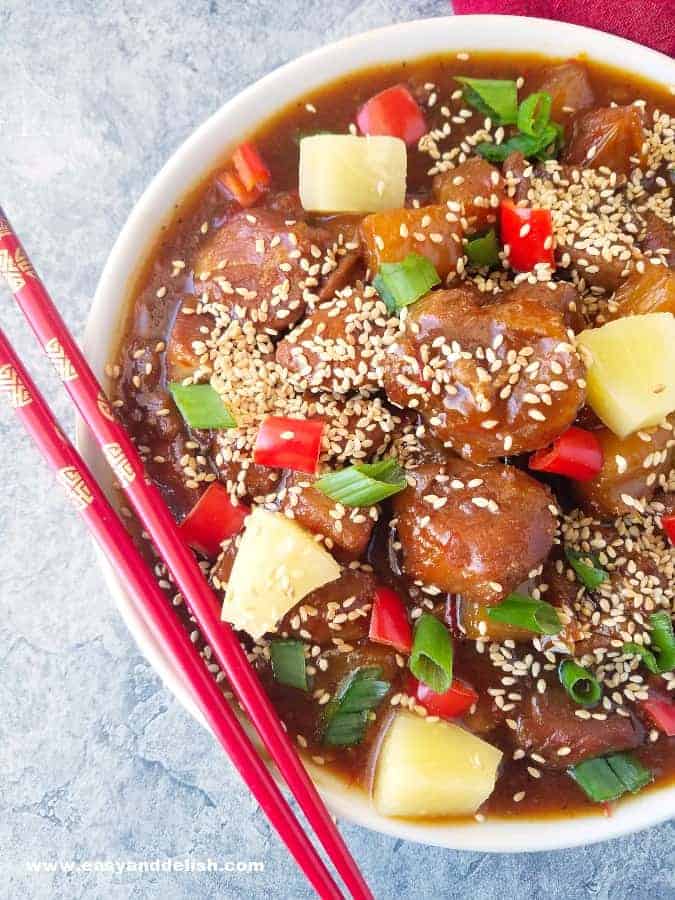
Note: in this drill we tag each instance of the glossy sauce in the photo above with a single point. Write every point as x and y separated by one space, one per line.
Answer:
150 319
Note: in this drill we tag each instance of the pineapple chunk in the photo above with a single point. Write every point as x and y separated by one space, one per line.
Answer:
631 371
277 564
345 173
432 769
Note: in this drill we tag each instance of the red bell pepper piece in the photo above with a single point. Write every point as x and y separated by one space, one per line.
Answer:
576 453
389 621
250 178
250 167
457 700
662 713
213 519
394 112
235 187
284 443
668 525
529 234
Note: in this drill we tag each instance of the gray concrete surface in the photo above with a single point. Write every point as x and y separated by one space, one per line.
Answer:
97 761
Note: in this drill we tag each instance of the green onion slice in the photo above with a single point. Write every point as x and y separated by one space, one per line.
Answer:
432 654
646 655
288 663
347 713
492 97
581 685
534 113
201 406
542 146
363 484
608 778
402 283
630 771
484 251
597 780
591 574
524 612
663 640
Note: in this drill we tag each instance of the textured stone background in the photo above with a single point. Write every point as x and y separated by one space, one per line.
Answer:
97 761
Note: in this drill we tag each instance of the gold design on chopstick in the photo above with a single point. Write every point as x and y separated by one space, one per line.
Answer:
24 264
76 487
104 407
57 356
14 267
5 228
119 463
12 389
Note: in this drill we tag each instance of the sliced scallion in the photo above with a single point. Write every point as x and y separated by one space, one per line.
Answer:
288 663
588 570
402 283
201 406
597 780
581 685
608 778
492 97
630 771
484 251
432 654
363 484
663 640
646 656
524 612
347 713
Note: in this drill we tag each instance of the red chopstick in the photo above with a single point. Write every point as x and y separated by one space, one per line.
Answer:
151 603
119 451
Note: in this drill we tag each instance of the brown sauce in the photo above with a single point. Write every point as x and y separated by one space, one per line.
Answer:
157 295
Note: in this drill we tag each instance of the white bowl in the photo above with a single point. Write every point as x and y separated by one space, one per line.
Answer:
193 160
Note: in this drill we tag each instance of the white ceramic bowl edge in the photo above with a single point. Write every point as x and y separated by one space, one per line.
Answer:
187 166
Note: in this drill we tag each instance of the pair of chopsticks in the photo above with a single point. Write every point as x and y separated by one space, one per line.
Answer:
151 603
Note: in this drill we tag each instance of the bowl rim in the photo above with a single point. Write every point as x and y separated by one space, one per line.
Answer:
186 167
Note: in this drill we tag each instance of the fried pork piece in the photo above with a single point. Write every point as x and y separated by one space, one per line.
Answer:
632 467
568 84
242 477
166 471
358 429
594 225
307 716
256 265
346 269
604 271
650 291
548 723
339 346
475 531
558 296
488 379
345 255
338 609
516 181
610 136
188 330
659 239
431 231
347 531
474 190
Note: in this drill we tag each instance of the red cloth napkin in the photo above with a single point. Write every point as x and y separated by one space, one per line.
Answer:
649 22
